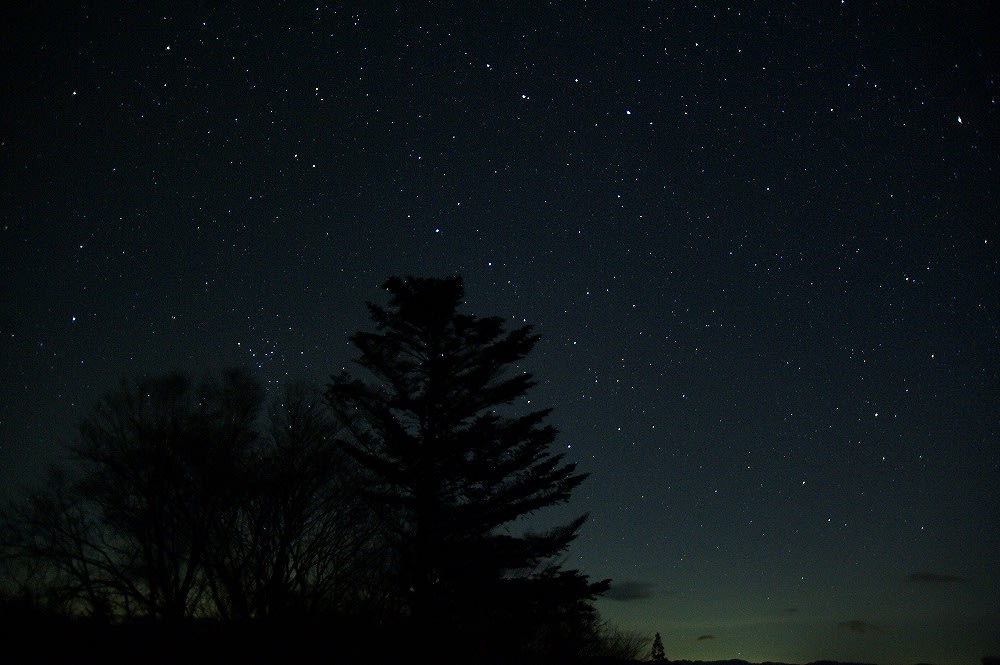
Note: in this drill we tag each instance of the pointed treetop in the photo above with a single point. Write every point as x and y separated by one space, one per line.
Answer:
420 300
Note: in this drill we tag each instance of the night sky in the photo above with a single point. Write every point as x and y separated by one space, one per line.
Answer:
760 243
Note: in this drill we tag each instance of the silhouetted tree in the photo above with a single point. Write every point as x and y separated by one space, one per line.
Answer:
165 466
183 506
50 554
657 653
613 644
128 535
301 541
453 464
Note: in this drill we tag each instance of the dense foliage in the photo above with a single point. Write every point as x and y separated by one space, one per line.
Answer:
453 467
391 503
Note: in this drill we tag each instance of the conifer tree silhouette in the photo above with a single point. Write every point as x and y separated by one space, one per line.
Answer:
657 654
453 463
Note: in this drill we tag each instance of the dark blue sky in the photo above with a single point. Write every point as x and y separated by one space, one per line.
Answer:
760 243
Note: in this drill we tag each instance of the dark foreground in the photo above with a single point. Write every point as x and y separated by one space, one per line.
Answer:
58 641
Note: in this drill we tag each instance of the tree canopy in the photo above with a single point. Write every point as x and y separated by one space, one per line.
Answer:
182 505
393 500
436 421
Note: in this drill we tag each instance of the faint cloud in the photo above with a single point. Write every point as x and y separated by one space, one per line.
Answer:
859 626
933 578
629 590
705 637
790 610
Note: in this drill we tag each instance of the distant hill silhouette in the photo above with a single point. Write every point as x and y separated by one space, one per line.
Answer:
736 661
986 660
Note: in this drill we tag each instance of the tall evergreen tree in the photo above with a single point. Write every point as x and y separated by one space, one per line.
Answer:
658 654
453 463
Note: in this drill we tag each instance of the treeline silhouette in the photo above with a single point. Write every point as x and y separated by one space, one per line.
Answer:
374 520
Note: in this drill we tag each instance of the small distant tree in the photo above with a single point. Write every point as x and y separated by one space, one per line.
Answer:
657 654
